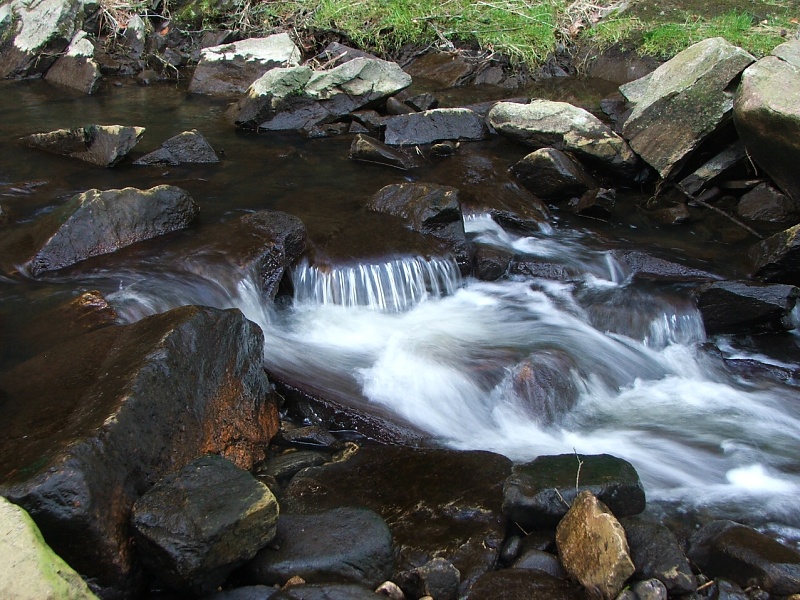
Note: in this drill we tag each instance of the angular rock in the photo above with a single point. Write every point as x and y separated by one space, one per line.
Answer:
340 545
765 203
540 560
451 511
133 403
491 263
325 591
744 307
309 436
367 149
336 54
285 466
597 203
544 384
665 126
534 495
777 258
445 69
195 526
134 36
437 578
741 554
30 567
325 130
77 68
553 175
788 51
395 107
645 266
422 102
103 145
650 589
656 554
523 584
232 68
592 546
544 123
767 117
434 126
97 222
186 147
714 168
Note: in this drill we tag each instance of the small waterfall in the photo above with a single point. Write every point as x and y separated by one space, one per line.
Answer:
394 285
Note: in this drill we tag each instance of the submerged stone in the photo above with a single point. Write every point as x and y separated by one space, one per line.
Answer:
367 149
103 145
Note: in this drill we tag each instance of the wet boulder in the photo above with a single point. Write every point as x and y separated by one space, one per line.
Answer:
741 554
325 591
765 203
559 125
598 203
537 493
77 68
491 263
196 525
522 584
656 554
648 267
713 169
553 175
186 147
340 545
437 578
665 125
545 386
30 567
103 145
437 503
767 117
299 98
231 68
434 126
593 548
777 258
97 222
368 149
540 560
744 307
285 466
91 424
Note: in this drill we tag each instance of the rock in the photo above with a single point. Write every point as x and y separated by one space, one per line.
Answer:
298 98
232 68
195 526
491 263
340 545
544 385
285 466
31 570
665 126
437 503
537 493
309 436
656 554
123 419
325 130
434 126
423 102
247 592
103 145
712 169
593 548
325 591
597 203
336 54
553 175
134 37
444 69
437 578
523 584
727 590
728 549
540 560
544 123
77 68
97 222
186 147
788 51
645 266
767 117
743 307
33 35
765 203
367 149
650 589
395 107
775 259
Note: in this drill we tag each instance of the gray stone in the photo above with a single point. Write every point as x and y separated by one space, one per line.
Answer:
368 149
31 570
777 258
103 145
195 526
650 589
336 54
285 466
545 123
134 36
665 126
656 554
434 126
552 174
544 385
437 578
186 147
711 170
523 584
592 546
598 203
540 561
77 68
765 203
232 68
491 262
325 591
653 268
745 307
788 52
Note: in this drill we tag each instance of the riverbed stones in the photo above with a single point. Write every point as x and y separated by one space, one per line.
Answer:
767 117
777 258
186 147
593 548
103 145
91 424
746 307
437 503
682 102
231 68
367 149
31 569
434 125
196 525
538 493
77 68
553 175
765 203
559 125
742 554
656 554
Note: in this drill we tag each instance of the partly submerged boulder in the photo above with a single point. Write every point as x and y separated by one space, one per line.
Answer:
553 175
777 258
77 68
186 147
746 307
103 145
367 149
434 126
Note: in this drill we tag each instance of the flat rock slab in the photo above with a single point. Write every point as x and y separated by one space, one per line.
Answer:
93 423
746 307
437 503
435 125
103 145
368 149
186 147
777 258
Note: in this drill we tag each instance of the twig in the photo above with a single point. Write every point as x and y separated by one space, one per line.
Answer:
578 473
731 218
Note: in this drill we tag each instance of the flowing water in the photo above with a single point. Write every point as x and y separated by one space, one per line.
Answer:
407 334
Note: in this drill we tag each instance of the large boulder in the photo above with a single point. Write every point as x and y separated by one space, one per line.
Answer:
186 147
91 424
553 175
767 117
559 125
77 68
437 503
665 125
195 526
434 126
775 259
544 384
746 307
231 68
97 222
765 203
103 145
299 98
31 570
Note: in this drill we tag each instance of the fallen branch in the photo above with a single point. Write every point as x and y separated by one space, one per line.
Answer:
731 218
